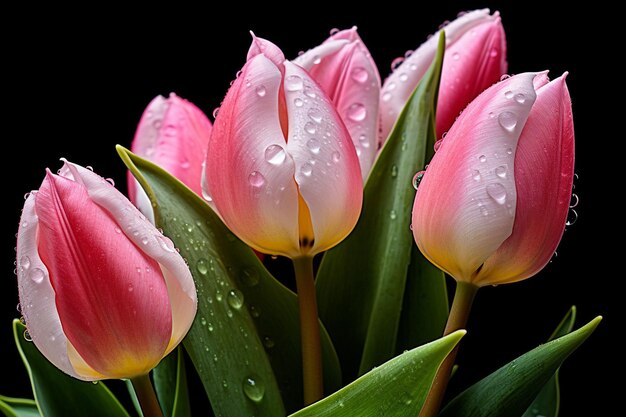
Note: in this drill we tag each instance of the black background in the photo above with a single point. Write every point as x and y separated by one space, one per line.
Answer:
78 81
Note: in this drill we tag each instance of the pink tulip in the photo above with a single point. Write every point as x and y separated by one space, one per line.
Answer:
344 68
492 206
475 58
172 133
94 313
281 168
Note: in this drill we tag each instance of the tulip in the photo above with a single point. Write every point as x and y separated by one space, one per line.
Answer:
281 168
172 133
345 70
103 293
492 206
475 58
283 173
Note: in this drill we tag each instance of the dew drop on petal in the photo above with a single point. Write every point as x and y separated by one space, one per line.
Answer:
298 102
482 158
314 145
396 63
508 120
574 201
359 74
476 175
25 260
315 115
37 275
417 179
307 169
501 171
520 98
508 94
256 179
260 91
497 192
357 112
294 83
387 96
572 216
166 243
310 128
275 154
336 157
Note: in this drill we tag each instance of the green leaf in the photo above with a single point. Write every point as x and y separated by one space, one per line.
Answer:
547 402
170 384
509 391
360 283
60 395
234 332
425 307
18 407
396 388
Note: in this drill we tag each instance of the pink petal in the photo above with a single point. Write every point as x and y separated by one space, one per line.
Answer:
398 87
180 285
326 164
344 68
249 173
544 170
174 134
262 46
114 310
466 203
37 297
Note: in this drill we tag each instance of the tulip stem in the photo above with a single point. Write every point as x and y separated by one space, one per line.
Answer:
146 396
309 330
459 313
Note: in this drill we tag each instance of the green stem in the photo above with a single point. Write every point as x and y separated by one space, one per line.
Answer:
459 313
309 330
146 396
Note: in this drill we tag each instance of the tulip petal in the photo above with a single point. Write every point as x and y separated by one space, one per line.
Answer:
325 159
345 70
262 46
180 285
80 244
173 133
249 172
544 170
398 87
37 297
466 203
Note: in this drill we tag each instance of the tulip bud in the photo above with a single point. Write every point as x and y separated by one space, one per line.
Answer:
492 206
281 168
345 70
103 293
173 133
475 58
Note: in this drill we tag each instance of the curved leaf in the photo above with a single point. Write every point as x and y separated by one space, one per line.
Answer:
170 384
245 316
18 407
60 395
396 388
509 391
361 282
548 400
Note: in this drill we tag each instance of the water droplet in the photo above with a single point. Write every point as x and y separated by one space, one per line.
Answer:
417 179
509 151
336 157
456 56
396 63
507 120
483 210
504 77
497 192
256 179
573 202
482 158
235 299
437 145
494 53
359 74
268 342
413 67
316 60
394 171
393 215
315 115
391 86
27 336
310 127
314 145
476 175
403 77
254 388
520 98
166 243
37 275
260 91
508 94
572 216
387 96
25 260
202 266
357 112
224 384
254 312
334 31
249 277
215 112
275 154
218 296
144 240
131 288
294 83
501 171
307 169
298 102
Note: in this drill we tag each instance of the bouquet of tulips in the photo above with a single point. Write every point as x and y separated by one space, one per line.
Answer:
375 191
